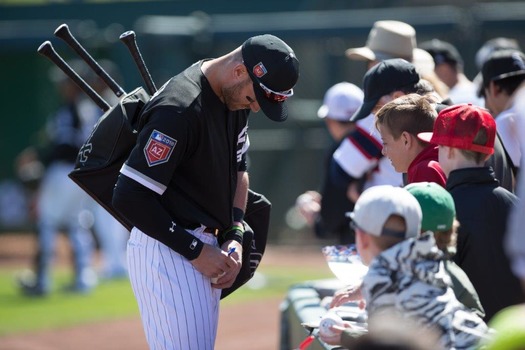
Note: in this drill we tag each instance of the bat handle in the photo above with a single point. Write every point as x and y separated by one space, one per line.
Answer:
47 50
129 39
64 33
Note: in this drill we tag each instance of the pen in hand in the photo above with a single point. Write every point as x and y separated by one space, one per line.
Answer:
215 279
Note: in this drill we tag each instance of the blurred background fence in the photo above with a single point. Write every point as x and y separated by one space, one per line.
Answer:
285 159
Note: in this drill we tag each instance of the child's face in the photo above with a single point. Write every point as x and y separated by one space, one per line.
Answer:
395 150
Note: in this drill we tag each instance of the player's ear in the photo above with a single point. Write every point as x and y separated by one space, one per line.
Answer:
239 71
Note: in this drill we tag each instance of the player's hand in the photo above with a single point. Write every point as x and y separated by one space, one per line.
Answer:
212 261
347 294
233 251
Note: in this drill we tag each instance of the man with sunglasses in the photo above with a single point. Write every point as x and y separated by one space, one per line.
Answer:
184 187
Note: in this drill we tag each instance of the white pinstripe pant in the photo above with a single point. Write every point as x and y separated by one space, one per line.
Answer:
178 306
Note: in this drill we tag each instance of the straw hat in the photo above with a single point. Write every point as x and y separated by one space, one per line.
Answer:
389 39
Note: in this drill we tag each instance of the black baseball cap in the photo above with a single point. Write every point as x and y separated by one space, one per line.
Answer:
501 65
274 70
442 52
383 79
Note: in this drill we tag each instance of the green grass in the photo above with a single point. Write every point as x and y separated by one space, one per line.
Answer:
114 300
19 313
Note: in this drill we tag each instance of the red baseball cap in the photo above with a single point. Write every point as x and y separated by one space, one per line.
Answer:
457 126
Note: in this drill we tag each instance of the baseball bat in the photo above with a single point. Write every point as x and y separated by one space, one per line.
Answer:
47 50
64 33
129 39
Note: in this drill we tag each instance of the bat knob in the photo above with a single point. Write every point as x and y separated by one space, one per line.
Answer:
127 34
61 29
45 47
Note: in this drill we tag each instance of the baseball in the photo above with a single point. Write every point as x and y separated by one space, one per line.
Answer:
329 320
215 279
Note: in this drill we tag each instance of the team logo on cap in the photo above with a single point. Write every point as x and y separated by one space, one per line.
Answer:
259 70
159 148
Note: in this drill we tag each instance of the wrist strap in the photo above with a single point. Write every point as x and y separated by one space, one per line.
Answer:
238 214
234 233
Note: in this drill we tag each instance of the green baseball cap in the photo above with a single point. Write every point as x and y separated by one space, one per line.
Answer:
436 203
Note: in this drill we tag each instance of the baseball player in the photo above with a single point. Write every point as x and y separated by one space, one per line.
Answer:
60 204
184 187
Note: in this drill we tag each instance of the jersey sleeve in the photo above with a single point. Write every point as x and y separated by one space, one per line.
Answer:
144 210
161 146
358 153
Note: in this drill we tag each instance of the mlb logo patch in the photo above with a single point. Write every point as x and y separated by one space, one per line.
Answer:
159 148
259 70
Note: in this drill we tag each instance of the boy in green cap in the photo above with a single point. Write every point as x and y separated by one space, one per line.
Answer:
439 216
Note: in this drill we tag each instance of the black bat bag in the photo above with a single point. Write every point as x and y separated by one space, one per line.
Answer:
100 158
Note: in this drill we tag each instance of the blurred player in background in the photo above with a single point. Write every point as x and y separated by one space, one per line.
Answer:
60 205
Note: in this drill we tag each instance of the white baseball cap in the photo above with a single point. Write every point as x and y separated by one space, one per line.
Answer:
341 101
376 204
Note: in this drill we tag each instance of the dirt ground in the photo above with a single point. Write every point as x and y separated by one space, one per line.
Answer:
253 325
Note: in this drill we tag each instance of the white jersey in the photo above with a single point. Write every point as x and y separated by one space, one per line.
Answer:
509 134
360 155
465 91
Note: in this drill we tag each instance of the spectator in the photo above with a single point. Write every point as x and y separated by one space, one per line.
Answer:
488 48
359 153
439 216
399 122
449 69
325 211
394 39
509 323
499 161
515 238
406 274
502 73
465 135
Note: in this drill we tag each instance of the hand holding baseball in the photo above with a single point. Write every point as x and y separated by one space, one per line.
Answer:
331 327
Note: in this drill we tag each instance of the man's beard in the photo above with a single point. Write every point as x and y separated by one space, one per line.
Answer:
232 96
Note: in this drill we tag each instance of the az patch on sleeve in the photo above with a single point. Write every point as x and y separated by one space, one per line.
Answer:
159 148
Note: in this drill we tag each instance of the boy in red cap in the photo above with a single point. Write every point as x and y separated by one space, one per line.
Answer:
465 135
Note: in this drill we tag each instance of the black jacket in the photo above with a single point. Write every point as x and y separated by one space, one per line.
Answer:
482 209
